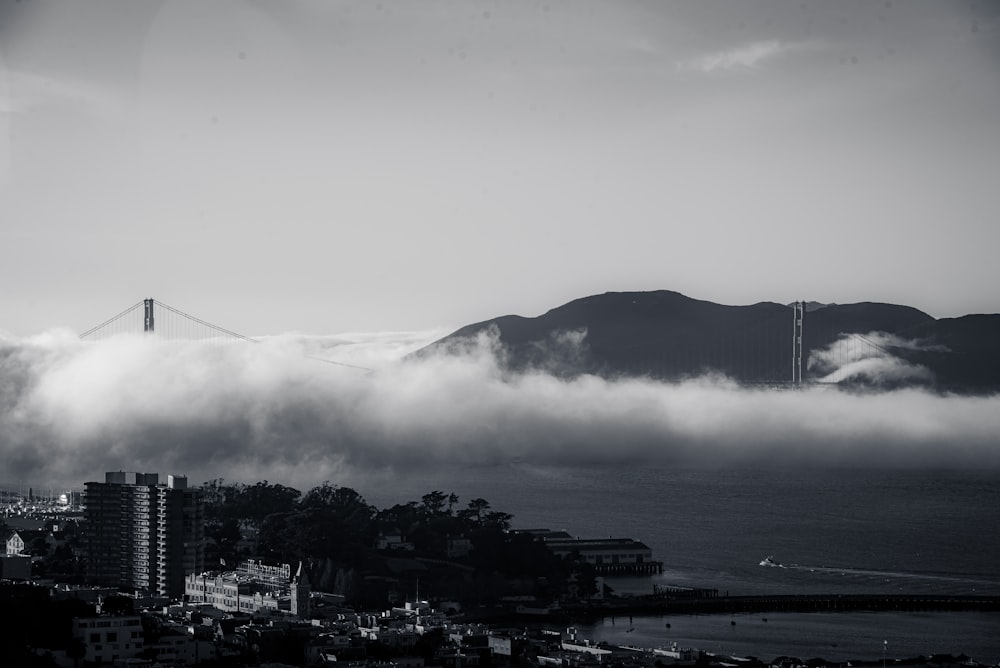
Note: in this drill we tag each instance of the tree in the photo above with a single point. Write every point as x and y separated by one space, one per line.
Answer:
262 499
498 520
275 538
251 503
39 547
433 502
476 510
344 504
402 516
223 540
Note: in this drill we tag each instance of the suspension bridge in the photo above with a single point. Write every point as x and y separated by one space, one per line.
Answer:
178 325
769 353
156 317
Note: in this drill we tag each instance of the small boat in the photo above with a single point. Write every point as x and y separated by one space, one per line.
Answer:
769 561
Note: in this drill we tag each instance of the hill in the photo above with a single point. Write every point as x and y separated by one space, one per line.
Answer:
668 336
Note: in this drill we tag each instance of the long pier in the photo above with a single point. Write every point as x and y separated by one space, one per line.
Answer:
664 605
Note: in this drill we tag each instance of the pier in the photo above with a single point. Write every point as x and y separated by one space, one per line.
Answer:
710 605
639 568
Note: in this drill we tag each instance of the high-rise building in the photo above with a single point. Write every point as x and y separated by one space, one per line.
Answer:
143 535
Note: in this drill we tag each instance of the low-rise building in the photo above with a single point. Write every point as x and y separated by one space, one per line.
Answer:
607 555
107 639
175 647
22 541
393 540
251 588
458 547
15 567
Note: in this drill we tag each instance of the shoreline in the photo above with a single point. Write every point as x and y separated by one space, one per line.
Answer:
666 605
658 606
853 628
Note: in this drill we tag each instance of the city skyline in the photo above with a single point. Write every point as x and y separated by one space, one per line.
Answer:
340 184
322 168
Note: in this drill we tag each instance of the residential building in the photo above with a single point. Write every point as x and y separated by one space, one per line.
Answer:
21 542
107 639
458 547
142 535
15 567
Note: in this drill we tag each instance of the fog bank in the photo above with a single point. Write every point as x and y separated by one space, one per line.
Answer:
69 410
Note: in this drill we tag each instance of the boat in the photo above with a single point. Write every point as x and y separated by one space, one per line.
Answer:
769 561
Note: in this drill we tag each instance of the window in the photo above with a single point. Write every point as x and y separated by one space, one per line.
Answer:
112 636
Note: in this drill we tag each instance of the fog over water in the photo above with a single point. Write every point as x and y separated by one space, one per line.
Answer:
70 410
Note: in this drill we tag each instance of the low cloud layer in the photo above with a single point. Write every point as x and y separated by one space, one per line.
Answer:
871 359
70 410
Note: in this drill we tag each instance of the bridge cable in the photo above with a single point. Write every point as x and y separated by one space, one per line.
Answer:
216 328
221 330
111 320
251 340
871 343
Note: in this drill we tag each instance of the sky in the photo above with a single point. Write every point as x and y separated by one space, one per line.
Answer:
323 167
352 180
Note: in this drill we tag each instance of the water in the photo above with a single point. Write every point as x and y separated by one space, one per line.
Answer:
831 636
833 531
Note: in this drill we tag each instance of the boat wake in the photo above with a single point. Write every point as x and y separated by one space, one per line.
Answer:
869 573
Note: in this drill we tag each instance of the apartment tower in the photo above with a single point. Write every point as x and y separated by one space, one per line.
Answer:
141 535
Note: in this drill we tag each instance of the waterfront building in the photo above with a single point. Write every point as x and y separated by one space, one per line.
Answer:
252 587
143 535
607 555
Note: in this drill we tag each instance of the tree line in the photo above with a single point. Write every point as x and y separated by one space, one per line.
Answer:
334 531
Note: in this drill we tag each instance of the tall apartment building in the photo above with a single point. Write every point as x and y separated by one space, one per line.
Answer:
143 535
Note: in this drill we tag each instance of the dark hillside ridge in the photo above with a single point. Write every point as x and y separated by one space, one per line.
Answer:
668 336
963 352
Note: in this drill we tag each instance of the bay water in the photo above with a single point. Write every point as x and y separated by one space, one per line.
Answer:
833 531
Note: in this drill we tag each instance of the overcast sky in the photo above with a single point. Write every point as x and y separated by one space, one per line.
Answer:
323 167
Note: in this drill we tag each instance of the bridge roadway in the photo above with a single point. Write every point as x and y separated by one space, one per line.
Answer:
666 605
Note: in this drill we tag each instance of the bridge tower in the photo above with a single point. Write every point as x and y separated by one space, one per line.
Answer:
798 316
147 323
